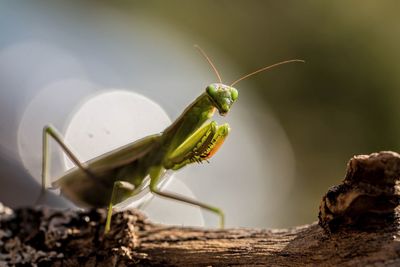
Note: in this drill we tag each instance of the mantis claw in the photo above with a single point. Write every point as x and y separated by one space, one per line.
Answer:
199 147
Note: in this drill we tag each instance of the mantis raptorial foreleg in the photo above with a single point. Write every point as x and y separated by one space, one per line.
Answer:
201 145
49 130
117 186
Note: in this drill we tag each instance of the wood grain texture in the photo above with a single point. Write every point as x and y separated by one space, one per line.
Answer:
362 234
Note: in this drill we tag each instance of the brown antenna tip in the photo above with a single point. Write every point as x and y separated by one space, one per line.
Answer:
209 61
266 68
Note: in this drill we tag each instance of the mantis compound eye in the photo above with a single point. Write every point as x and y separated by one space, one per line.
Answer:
234 94
211 90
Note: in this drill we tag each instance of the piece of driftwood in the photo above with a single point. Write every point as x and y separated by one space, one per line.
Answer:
358 226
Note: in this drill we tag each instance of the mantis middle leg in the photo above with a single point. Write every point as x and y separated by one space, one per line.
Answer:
118 185
155 175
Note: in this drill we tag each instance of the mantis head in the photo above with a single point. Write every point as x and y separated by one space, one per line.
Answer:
222 96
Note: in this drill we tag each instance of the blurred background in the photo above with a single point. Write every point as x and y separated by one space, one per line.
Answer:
293 128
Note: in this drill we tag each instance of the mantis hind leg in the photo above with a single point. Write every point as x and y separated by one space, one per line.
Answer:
118 185
155 175
49 130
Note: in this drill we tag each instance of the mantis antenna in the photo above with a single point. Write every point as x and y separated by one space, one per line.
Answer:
266 68
209 61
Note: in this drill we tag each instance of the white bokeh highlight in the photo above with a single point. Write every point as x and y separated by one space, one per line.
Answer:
114 118
48 71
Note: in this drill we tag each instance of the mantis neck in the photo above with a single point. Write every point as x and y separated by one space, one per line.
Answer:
189 121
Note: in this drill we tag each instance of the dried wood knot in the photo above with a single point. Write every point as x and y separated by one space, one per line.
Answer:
367 197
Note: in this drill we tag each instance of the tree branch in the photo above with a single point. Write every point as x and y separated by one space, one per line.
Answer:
359 219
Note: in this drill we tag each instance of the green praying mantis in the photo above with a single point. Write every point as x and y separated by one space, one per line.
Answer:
124 172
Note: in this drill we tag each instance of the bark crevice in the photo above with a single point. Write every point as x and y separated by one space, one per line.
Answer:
358 226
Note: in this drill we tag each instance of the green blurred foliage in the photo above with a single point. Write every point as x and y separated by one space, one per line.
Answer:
342 102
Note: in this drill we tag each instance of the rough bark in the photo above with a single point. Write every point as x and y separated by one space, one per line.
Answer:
359 219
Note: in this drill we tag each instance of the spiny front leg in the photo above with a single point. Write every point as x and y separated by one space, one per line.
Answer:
200 146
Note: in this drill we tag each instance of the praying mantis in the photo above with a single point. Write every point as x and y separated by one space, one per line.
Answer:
124 172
